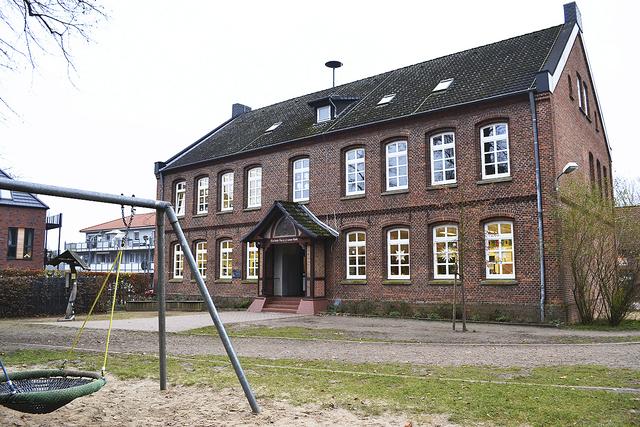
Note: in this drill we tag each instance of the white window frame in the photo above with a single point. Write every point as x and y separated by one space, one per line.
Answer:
201 257
203 195
585 98
395 242
300 174
178 261
449 249
386 99
226 192
253 257
254 187
500 237
353 260
181 192
579 84
320 111
355 163
226 259
442 148
443 85
493 139
397 156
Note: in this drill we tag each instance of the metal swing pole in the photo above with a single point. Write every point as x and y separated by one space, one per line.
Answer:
159 206
186 249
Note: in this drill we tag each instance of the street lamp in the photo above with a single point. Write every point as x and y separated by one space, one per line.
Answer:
568 168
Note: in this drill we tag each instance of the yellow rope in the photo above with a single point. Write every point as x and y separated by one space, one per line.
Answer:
93 306
113 307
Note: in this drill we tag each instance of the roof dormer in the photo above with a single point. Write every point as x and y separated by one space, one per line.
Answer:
330 107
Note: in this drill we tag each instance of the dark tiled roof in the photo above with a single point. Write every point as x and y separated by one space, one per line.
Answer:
494 70
19 198
300 215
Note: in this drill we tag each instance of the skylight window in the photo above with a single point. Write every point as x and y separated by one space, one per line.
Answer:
443 85
386 99
5 194
273 127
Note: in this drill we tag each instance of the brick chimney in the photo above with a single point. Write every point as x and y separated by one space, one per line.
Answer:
238 110
572 14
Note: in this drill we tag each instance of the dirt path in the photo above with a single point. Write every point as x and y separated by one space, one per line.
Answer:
140 403
16 336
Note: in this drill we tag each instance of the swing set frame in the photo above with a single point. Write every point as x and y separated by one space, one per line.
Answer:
163 210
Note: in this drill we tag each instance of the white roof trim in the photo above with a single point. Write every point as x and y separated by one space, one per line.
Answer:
315 218
555 77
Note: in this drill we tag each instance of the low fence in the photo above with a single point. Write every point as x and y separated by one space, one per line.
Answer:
36 293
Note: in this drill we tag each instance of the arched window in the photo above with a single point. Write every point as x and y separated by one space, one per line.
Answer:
398 253
354 172
301 180
445 251
203 195
180 192
356 255
396 165
443 158
226 191
254 187
226 259
284 227
252 260
494 142
201 258
178 261
499 253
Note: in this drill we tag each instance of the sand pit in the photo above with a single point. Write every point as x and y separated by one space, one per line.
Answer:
140 403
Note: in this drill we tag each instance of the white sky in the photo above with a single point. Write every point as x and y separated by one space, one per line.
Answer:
160 74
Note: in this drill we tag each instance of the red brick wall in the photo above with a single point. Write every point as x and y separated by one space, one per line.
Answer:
573 136
11 216
419 208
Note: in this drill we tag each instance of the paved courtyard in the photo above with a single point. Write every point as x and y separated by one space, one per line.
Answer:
177 323
375 340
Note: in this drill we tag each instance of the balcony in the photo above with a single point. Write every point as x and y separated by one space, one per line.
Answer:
112 245
125 267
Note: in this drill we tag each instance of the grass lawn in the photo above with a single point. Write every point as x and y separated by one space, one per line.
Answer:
286 332
509 396
625 325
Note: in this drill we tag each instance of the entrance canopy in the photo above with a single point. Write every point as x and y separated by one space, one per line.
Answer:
289 220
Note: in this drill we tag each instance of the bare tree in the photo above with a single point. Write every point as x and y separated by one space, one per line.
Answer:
601 244
29 28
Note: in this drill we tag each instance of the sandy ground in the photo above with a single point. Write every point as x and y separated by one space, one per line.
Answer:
140 403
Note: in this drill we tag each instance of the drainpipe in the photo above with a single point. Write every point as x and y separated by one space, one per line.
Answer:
536 152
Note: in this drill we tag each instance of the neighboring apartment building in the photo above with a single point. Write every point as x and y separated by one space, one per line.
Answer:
23 227
364 191
103 241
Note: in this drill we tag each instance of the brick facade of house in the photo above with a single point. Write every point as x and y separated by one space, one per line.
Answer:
22 217
565 134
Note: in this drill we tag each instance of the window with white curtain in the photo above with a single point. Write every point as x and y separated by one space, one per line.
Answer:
178 261
201 258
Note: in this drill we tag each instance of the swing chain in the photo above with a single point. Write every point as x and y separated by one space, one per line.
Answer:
127 222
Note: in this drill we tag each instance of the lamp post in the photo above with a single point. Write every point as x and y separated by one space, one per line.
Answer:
568 168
